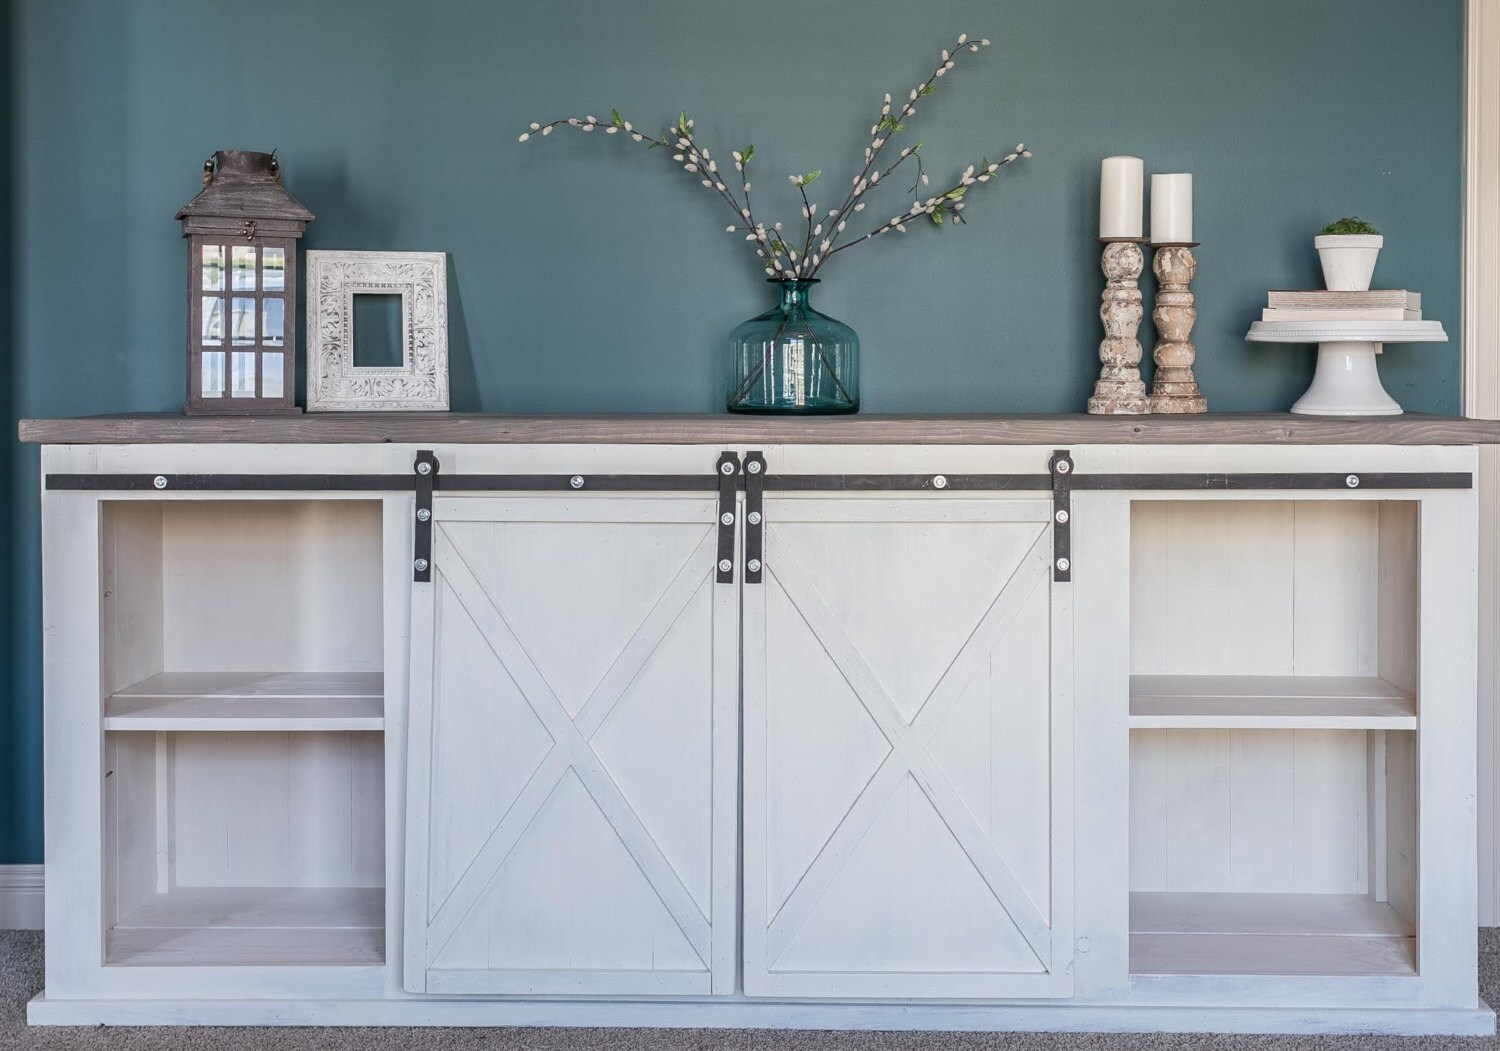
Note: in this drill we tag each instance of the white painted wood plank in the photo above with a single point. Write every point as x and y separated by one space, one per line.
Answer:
226 907
1263 811
1334 607
1269 703
130 592
252 926
1249 810
221 715
1198 798
256 685
305 574
72 740
1441 766
1271 954
1293 914
1143 1016
244 947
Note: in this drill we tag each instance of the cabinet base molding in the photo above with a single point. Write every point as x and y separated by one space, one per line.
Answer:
743 1014
21 897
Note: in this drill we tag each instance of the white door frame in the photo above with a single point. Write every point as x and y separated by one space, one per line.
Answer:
1481 322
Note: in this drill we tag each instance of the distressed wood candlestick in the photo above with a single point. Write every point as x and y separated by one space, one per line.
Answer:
1173 388
1120 390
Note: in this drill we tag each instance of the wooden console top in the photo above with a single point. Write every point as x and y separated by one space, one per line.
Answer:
689 429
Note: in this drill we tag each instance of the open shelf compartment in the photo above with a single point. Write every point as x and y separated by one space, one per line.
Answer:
1273 745
242 700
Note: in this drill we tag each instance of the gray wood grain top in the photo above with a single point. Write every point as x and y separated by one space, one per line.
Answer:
685 429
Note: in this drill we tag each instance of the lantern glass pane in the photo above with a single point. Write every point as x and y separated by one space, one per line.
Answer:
244 322
213 321
274 315
273 269
213 268
213 374
242 374
270 375
244 268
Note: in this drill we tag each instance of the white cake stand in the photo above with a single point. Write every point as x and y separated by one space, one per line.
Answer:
1347 382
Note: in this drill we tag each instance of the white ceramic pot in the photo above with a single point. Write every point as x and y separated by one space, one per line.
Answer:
1348 260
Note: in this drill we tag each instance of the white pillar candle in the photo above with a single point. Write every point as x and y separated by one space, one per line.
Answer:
1171 209
1121 184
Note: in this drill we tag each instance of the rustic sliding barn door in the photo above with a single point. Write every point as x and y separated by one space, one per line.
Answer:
572 795
907 749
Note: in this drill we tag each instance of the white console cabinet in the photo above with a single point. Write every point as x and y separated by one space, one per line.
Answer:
978 723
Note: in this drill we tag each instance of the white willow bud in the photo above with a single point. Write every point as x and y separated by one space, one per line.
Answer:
547 130
535 126
524 137
611 130
963 38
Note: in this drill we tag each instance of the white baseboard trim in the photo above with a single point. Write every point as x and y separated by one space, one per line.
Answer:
21 897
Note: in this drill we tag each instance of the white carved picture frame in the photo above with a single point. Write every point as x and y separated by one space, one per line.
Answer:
334 382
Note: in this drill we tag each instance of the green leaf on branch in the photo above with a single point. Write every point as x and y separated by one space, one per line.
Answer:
808 179
927 89
682 128
616 119
746 154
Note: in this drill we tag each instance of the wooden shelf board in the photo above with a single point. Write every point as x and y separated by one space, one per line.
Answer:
721 428
1268 934
252 926
263 701
1269 702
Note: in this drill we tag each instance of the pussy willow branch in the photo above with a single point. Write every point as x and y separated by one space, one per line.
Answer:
862 184
778 258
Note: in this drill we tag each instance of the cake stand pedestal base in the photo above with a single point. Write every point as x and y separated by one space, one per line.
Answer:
1347 383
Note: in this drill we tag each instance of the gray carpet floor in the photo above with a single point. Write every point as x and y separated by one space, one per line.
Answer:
21 979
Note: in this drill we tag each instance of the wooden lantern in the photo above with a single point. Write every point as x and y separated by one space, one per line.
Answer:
242 231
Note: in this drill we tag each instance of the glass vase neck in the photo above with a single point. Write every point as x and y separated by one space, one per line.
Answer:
794 291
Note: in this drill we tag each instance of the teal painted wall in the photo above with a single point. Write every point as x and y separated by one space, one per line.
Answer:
588 274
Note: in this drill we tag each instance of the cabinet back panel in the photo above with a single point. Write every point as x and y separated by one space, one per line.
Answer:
272 586
1283 587
278 810
1264 811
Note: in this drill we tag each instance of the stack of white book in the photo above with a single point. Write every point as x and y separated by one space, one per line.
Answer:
1382 304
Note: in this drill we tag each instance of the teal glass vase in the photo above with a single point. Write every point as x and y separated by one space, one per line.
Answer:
793 360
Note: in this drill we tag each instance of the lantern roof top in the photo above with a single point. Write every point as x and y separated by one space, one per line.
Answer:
244 185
